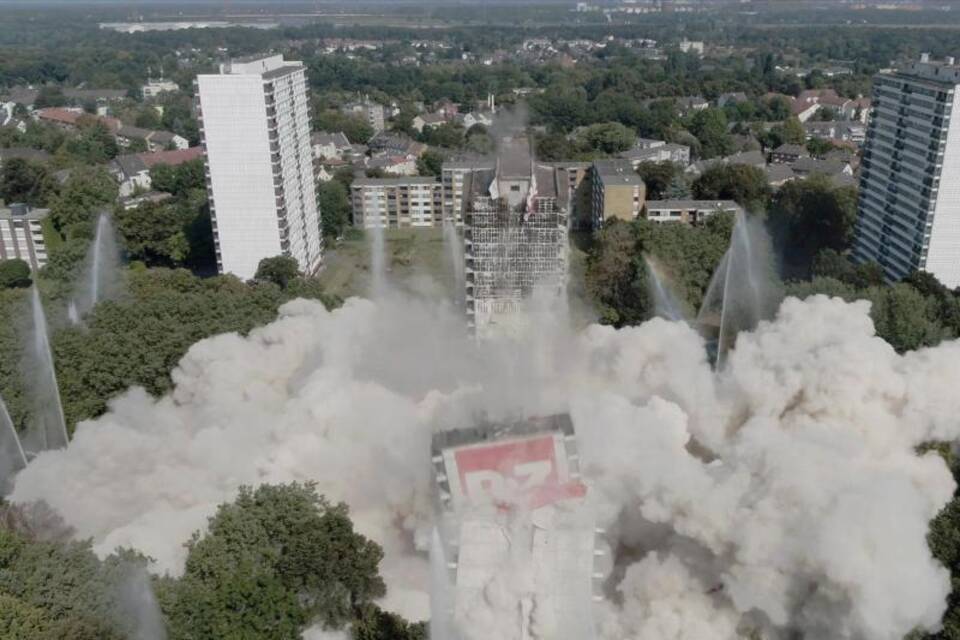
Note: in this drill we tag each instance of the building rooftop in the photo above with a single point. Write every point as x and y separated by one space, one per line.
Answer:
514 157
394 182
24 153
792 149
616 171
689 205
16 211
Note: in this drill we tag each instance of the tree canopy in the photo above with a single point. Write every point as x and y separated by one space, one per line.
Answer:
14 273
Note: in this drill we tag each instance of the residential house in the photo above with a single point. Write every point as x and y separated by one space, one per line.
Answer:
779 175
395 144
484 118
329 145
25 96
154 88
809 102
394 165
428 121
692 46
788 153
447 109
155 140
133 170
646 151
688 104
837 131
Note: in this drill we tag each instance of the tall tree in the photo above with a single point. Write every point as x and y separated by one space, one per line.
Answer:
744 184
25 181
335 208
87 191
272 562
710 128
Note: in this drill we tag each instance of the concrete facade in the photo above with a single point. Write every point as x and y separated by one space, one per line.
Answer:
909 209
255 124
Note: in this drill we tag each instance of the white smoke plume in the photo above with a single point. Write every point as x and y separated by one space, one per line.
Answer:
782 495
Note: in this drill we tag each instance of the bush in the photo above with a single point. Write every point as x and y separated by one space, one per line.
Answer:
14 274
279 270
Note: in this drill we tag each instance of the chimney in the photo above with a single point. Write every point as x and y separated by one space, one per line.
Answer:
949 60
924 57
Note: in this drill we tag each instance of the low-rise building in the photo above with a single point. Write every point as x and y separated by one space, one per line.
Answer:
329 145
150 197
692 46
393 203
396 144
853 131
155 140
133 170
484 118
428 121
154 88
662 152
779 175
372 112
689 104
99 96
687 211
394 165
788 153
618 192
21 235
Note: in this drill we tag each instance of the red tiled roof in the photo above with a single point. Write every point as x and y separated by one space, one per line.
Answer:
56 114
67 116
172 158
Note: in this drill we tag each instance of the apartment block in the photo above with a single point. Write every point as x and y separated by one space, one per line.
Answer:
909 209
396 203
452 176
21 235
255 123
516 229
618 192
687 211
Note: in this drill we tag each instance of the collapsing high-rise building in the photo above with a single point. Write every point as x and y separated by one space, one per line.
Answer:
516 226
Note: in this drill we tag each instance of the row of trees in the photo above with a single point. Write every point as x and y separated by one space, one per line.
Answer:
811 222
274 561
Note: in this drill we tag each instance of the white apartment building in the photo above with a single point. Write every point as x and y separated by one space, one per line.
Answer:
909 210
255 123
393 203
21 235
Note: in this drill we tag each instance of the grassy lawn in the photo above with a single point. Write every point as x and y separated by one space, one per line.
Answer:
51 238
418 264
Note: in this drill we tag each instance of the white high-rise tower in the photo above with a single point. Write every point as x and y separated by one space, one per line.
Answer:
909 216
255 123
